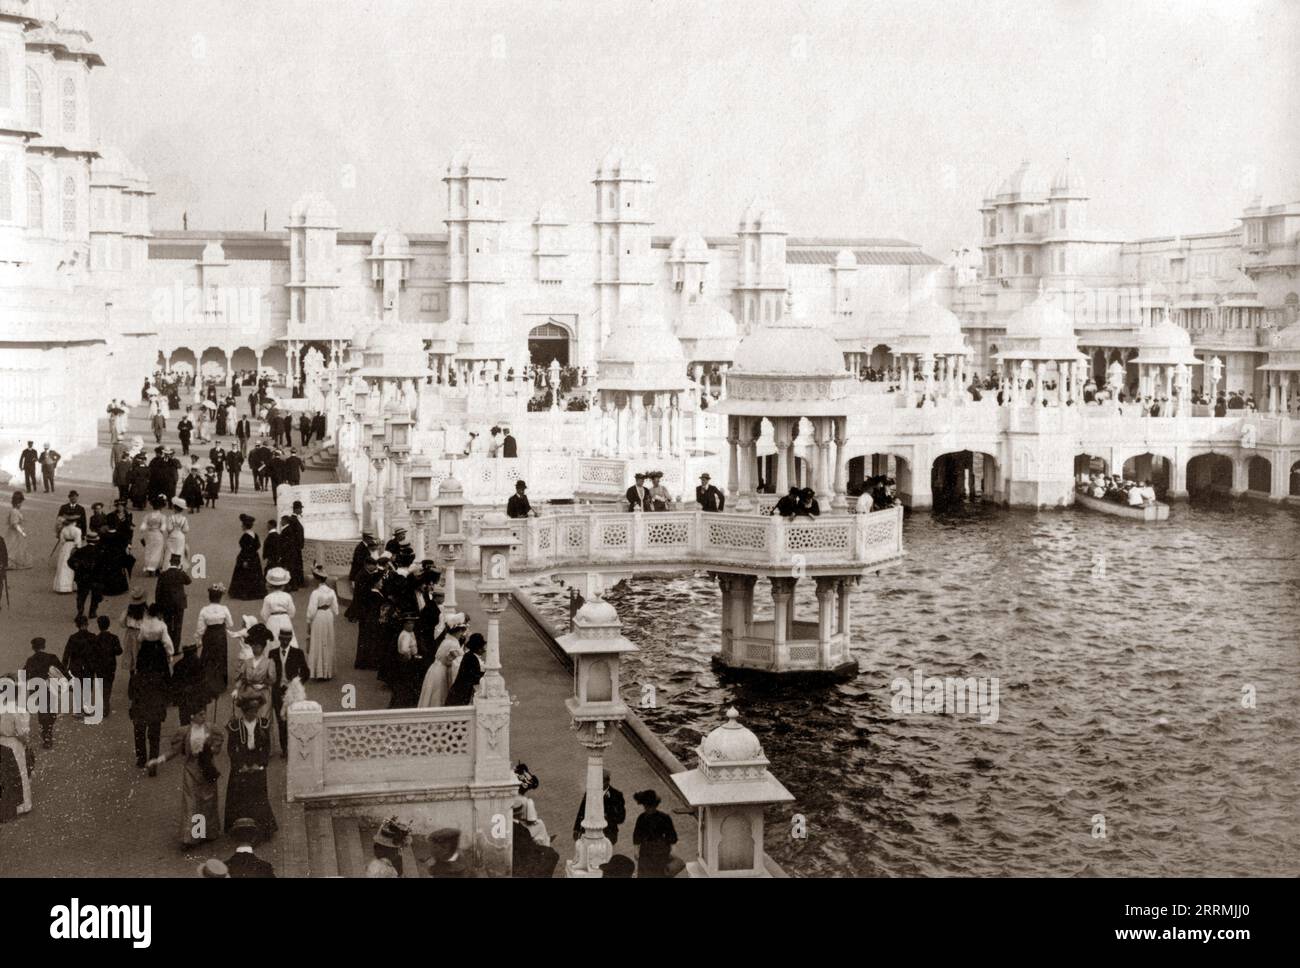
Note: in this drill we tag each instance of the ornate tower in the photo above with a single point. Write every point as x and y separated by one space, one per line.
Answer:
761 274
474 186
622 235
313 273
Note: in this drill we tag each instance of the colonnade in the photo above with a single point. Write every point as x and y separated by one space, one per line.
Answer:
628 427
827 463
1022 381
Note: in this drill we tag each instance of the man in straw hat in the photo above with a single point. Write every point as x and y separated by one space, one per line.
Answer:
707 495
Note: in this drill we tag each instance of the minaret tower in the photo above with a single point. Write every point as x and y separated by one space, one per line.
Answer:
761 276
474 188
622 235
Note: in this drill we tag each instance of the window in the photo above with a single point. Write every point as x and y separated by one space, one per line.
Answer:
99 207
1028 225
6 191
426 302
69 206
69 105
35 108
35 201
1060 260
612 202
460 244
126 255
460 197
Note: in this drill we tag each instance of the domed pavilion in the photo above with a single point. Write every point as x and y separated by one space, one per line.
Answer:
784 372
1040 344
640 380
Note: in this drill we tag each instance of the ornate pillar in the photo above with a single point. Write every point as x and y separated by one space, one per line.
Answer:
782 593
840 500
781 434
826 588
733 470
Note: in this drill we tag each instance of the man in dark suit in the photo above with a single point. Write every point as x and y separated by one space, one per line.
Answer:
361 554
74 510
171 598
257 461
243 431
295 540
318 425
788 505
40 668
509 446
615 812
293 468
276 470
519 506
290 663
708 497
234 464
304 429
87 574
183 430
217 456
638 495
27 462
273 546
243 862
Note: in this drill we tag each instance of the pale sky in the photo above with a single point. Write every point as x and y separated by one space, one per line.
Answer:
857 118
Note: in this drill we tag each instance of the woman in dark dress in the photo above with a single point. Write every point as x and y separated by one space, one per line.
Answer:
471 671
655 835
248 583
248 742
139 486
192 491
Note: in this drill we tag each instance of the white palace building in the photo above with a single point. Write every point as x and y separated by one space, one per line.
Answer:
93 299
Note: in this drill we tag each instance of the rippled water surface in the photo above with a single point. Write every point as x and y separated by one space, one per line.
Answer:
1123 653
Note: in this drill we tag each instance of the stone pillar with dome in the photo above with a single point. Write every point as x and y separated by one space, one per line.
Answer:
931 343
1165 360
791 375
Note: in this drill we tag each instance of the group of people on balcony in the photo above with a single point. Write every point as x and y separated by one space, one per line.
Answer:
1113 487
498 442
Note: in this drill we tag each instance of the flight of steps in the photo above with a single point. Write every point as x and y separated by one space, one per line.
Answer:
317 844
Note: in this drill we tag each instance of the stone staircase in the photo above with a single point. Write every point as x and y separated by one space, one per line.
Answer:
317 843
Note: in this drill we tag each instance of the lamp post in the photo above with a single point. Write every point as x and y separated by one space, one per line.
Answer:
553 378
421 504
451 538
377 452
398 427
596 646
496 538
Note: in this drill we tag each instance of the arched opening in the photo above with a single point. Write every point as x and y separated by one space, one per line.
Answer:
275 363
962 476
868 471
547 342
600 686
1130 369
1294 490
736 844
1148 467
244 362
1259 475
1209 474
212 365
1085 464
1099 367
183 360
878 359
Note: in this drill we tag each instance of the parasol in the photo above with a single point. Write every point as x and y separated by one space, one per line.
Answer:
209 405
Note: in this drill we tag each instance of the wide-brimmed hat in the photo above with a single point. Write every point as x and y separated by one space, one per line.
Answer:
213 868
704 477
393 833
318 570
277 577
178 503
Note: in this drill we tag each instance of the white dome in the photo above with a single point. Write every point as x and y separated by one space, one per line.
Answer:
706 320
111 167
596 612
390 244
314 209
689 248
793 350
473 160
616 164
1041 318
1067 181
930 328
1163 335
731 742
1025 180
642 337
450 488
762 216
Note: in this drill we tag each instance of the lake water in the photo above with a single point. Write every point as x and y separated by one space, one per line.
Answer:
1148 690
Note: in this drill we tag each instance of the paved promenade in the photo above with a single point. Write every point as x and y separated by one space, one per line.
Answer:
95 814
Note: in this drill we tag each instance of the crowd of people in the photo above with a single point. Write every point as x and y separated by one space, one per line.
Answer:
1113 487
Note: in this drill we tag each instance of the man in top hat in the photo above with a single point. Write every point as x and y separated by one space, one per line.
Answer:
445 860
170 596
519 506
295 539
27 462
244 862
638 495
290 663
707 495
293 466
73 509
87 574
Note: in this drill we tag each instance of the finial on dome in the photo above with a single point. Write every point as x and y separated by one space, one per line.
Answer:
732 719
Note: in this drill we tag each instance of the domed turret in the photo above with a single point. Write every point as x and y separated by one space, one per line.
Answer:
690 247
473 160
732 743
1024 181
1041 331
930 329
390 244
1067 182
789 350
314 210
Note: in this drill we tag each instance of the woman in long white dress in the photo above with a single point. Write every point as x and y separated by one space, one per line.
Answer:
16 538
155 537
69 541
446 660
15 737
322 609
178 530
278 609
